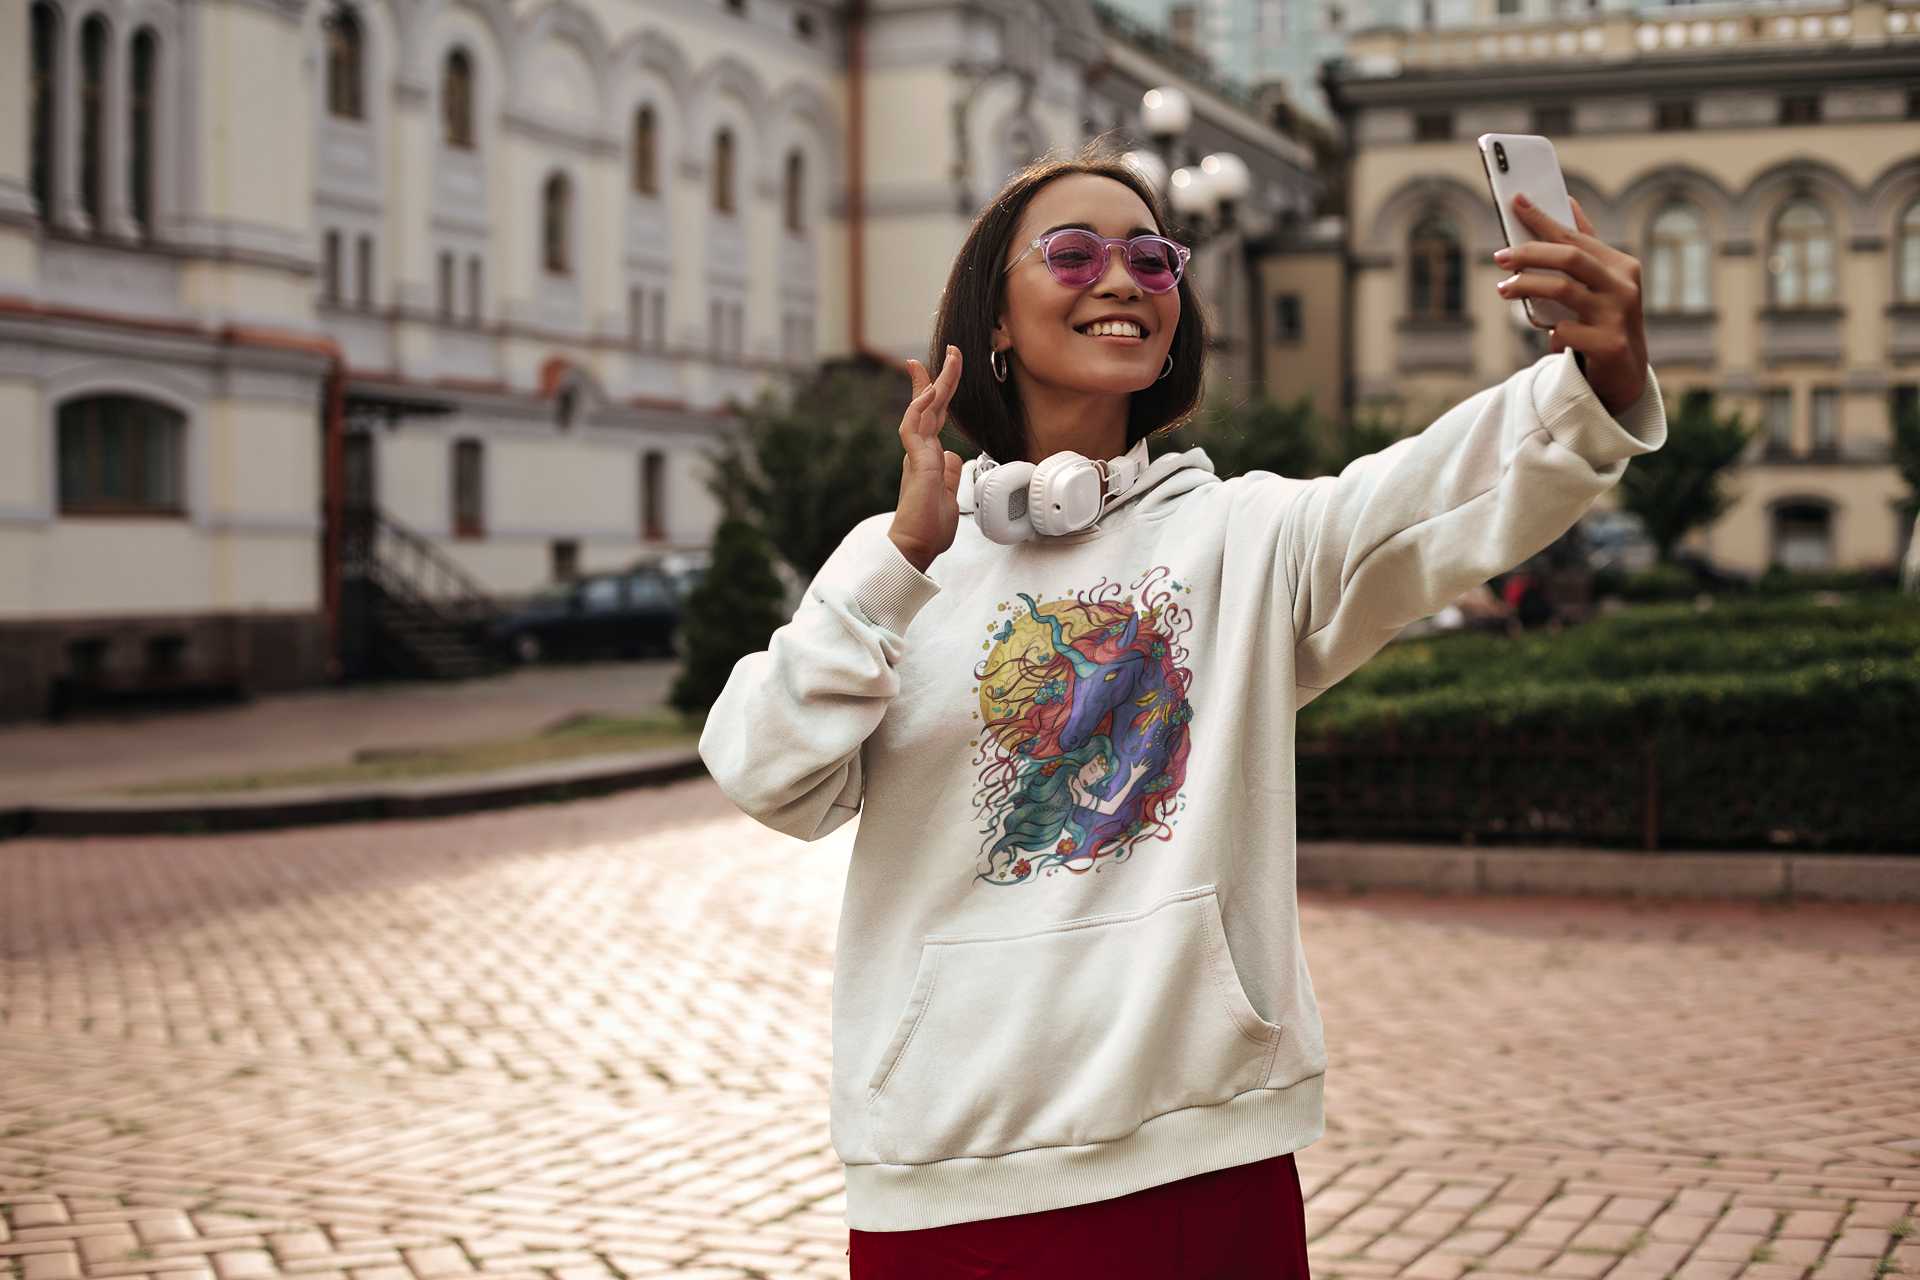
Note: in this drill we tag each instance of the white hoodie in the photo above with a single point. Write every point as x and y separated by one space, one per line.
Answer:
1069 962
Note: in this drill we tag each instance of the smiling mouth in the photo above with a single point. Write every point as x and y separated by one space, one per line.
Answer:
1112 329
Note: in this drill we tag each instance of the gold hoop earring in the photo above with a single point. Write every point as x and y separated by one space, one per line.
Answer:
1169 369
997 361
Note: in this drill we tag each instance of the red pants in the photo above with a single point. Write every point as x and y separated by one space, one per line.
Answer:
1245 1223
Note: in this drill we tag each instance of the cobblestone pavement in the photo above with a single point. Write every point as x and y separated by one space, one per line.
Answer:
590 1043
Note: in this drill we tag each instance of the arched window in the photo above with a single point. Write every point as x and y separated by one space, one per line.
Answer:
1679 261
1436 268
1909 237
345 55
556 212
646 152
723 201
1801 262
119 455
140 106
43 38
93 119
456 100
793 194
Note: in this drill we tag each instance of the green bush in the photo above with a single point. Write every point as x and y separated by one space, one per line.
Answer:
1680 486
1759 718
1661 581
1256 436
1779 580
733 612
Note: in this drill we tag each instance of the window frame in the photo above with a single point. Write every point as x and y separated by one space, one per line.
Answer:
346 63
457 100
644 154
139 444
468 491
793 192
556 231
1805 238
724 195
1429 251
1906 263
1678 272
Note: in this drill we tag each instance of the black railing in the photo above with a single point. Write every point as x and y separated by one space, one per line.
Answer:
405 565
1651 790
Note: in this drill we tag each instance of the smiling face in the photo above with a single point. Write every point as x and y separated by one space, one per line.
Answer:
1109 338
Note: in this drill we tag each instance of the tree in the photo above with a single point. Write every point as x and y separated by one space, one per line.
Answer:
809 468
1681 486
1257 435
732 613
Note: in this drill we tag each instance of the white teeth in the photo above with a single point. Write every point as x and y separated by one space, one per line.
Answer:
1114 329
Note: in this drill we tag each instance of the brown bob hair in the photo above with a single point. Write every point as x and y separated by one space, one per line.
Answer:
988 411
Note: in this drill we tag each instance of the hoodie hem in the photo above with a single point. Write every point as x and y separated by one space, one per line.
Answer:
1256 1125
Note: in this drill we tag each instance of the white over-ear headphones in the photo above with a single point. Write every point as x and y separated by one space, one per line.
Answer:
1065 493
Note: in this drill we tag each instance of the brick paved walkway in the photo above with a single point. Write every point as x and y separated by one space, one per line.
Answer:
539 1046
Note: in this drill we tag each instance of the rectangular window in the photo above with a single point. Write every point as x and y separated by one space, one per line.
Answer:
717 329
119 455
564 556
636 318
1433 126
1824 422
469 486
1286 318
474 308
1553 121
737 331
1779 415
1507 8
1676 114
330 268
659 328
653 496
363 273
40 109
446 287
1800 108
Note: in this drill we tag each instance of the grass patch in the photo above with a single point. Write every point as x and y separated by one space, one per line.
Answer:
570 739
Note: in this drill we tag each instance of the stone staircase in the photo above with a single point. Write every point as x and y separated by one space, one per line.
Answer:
407 608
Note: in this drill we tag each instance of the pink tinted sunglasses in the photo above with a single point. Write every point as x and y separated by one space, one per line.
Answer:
1077 258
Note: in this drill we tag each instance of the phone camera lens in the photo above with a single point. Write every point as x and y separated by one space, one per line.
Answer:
1500 156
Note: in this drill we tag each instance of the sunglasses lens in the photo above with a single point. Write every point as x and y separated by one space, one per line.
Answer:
1076 258
1153 263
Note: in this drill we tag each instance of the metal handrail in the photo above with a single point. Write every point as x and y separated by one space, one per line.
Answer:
406 564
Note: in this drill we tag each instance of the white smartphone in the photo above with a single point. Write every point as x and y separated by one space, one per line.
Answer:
1524 164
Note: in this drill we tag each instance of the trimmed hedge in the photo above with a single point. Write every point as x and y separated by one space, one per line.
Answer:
1768 722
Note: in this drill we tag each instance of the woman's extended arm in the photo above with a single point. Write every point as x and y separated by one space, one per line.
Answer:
783 740
1494 480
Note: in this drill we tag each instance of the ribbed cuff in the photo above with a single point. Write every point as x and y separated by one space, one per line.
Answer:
1575 418
891 592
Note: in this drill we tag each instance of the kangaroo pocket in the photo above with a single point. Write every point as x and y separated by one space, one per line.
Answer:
1073 1034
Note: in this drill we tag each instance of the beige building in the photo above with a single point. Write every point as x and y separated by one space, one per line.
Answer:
1763 162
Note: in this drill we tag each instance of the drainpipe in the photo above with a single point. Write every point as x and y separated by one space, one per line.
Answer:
857 192
334 501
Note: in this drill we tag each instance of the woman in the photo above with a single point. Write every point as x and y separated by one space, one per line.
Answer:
1073 1029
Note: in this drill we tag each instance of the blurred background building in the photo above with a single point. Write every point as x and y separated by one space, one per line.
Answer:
322 322
1763 162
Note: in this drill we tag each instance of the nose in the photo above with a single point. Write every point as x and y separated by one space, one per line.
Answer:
1118 281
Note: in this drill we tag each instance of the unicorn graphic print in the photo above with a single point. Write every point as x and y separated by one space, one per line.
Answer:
1085 711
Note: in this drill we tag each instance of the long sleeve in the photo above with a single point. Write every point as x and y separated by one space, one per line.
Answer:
784 738
1399 534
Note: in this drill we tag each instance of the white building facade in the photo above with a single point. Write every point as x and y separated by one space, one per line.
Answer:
493 269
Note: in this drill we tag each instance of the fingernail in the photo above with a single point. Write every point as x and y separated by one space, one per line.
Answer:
1503 256
1521 202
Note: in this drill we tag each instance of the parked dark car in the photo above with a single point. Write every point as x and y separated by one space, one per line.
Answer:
606 614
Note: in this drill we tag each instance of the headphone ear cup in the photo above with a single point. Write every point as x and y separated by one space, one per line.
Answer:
1000 503
1065 494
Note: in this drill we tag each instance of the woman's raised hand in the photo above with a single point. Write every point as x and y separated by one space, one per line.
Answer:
1602 287
929 510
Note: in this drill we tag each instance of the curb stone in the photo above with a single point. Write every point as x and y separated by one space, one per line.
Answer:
204 813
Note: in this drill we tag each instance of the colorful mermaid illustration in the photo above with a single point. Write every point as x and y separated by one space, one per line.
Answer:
1084 703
